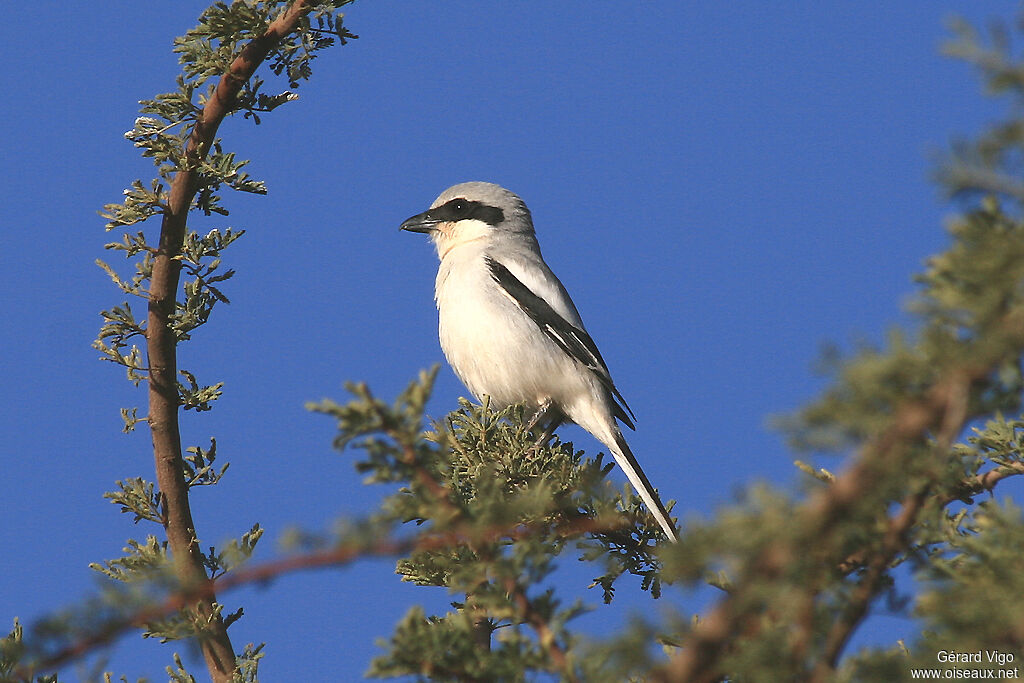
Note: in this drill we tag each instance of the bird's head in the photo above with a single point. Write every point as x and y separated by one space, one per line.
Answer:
471 212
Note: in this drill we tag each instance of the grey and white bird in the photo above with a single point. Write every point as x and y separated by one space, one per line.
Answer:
509 329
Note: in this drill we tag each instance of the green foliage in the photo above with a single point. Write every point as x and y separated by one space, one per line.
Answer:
494 509
627 656
167 132
974 595
131 418
119 327
177 673
970 603
200 257
199 465
446 648
141 202
234 554
196 397
141 562
209 48
798 572
139 497
928 420
206 52
12 651
802 573
246 668
247 664
145 569
989 164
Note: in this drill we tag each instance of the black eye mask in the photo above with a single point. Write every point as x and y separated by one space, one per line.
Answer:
459 209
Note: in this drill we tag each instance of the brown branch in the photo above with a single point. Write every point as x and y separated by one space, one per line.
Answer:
895 540
980 483
266 572
942 408
894 543
208 589
540 626
162 345
871 583
483 625
967 488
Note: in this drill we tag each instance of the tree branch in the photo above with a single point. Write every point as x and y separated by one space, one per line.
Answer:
967 488
162 344
540 626
338 556
943 408
986 481
894 541
867 589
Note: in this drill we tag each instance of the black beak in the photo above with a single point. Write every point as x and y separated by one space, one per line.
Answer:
421 222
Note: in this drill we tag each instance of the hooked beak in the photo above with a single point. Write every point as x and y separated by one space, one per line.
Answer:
421 222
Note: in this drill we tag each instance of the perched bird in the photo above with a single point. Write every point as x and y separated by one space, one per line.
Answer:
509 329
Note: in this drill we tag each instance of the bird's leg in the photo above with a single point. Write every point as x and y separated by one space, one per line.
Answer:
539 415
546 435
546 412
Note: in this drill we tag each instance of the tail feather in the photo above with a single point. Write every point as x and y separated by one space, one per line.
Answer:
624 457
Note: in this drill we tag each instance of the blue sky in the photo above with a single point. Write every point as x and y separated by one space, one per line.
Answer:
723 187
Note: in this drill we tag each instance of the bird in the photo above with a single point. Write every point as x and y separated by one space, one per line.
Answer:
509 329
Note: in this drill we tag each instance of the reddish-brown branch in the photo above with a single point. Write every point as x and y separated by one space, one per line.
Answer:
895 540
942 409
980 483
969 487
209 588
268 571
699 659
869 586
162 344
541 627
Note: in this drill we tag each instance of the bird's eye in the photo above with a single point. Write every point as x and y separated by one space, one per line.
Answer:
459 206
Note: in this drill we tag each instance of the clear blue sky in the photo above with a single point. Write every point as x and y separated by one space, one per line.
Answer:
723 187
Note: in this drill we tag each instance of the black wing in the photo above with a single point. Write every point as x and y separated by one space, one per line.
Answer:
574 341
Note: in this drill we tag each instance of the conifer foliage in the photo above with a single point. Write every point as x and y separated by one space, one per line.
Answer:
927 425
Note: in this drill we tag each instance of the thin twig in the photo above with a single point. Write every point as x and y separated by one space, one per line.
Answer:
980 483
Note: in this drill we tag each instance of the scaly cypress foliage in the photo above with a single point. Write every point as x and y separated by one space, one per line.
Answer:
928 423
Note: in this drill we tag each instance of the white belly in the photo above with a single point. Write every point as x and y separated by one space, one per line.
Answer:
495 349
